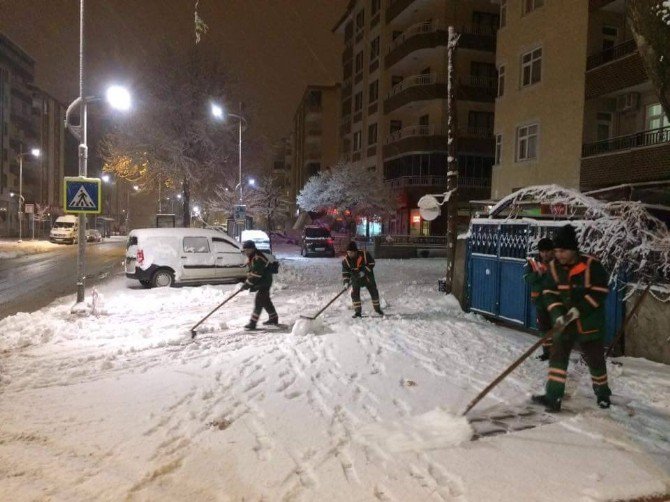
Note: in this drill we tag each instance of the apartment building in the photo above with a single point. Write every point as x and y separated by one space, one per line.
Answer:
29 118
394 98
315 140
574 106
282 160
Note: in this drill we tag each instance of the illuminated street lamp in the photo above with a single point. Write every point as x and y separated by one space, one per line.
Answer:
220 114
35 152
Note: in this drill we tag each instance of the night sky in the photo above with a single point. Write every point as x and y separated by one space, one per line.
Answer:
271 48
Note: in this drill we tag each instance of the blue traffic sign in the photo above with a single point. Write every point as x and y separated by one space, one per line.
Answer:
82 195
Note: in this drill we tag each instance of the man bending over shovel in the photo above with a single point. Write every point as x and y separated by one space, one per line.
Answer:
357 271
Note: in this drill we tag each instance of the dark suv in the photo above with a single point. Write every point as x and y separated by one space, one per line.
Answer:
317 241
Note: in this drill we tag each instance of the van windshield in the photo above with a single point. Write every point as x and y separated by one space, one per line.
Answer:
317 232
63 224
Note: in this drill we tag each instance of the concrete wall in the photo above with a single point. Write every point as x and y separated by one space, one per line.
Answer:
648 334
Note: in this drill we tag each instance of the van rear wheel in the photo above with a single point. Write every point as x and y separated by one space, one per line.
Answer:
162 279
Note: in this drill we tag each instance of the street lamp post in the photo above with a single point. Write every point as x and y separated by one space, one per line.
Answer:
220 114
118 98
35 152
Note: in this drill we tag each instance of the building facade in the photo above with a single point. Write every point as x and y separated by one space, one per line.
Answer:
314 136
29 118
394 98
574 106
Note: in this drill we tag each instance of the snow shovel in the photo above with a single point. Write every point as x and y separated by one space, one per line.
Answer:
550 334
193 333
311 318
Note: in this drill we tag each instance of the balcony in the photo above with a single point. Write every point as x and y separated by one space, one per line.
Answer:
614 70
396 7
640 157
431 34
415 139
476 88
405 182
416 88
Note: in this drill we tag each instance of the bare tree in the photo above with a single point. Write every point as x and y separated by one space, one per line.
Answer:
266 200
649 20
171 138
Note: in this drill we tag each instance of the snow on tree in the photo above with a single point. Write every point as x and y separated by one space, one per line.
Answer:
201 27
346 187
171 139
266 200
650 23
622 234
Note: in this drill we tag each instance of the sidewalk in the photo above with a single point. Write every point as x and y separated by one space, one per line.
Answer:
10 248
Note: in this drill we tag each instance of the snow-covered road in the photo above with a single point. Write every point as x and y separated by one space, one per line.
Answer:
125 406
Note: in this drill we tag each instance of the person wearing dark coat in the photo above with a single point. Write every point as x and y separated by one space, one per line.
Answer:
357 272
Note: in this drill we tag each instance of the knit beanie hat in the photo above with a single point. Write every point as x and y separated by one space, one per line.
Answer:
545 244
352 246
566 238
248 245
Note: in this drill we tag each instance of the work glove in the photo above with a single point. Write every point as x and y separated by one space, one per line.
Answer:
245 286
346 282
361 274
566 319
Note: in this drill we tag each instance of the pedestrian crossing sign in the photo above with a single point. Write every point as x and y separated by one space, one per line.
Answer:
82 195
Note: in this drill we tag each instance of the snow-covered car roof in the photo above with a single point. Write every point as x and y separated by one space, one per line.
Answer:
254 234
181 232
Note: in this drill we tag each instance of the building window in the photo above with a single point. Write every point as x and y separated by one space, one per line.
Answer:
359 62
526 142
503 13
501 81
373 91
530 5
604 126
374 49
485 22
357 141
375 5
360 21
358 101
424 120
656 118
531 67
395 126
498 152
372 134
610 35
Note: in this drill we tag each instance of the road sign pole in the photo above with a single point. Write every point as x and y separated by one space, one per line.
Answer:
83 166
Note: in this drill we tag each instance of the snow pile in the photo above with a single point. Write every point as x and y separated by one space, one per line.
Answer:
9 250
430 431
622 234
125 406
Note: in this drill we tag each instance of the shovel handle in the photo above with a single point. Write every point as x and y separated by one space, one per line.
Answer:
328 304
217 308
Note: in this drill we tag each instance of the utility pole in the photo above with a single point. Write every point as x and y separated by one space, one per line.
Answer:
83 161
452 161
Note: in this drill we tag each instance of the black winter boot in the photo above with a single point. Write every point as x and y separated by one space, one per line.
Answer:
550 405
357 314
604 402
251 325
379 311
271 322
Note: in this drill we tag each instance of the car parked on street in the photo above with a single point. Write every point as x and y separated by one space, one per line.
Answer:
259 238
316 240
161 257
93 235
65 229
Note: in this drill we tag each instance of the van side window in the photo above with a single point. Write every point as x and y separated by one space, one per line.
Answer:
196 245
223 246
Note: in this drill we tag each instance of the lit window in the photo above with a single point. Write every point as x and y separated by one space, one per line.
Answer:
357 141
526 142
656 118
531 67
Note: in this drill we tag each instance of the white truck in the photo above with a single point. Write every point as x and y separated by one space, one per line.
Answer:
65 229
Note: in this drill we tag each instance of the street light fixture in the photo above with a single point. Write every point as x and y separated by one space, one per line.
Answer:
35 152
118 98
105 178
252 182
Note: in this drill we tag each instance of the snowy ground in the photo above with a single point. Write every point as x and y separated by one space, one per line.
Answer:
125 406
12 249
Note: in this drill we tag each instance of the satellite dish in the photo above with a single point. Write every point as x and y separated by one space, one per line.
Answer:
429 207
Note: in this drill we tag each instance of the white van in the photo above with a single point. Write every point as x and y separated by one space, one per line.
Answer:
65 229
161 257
